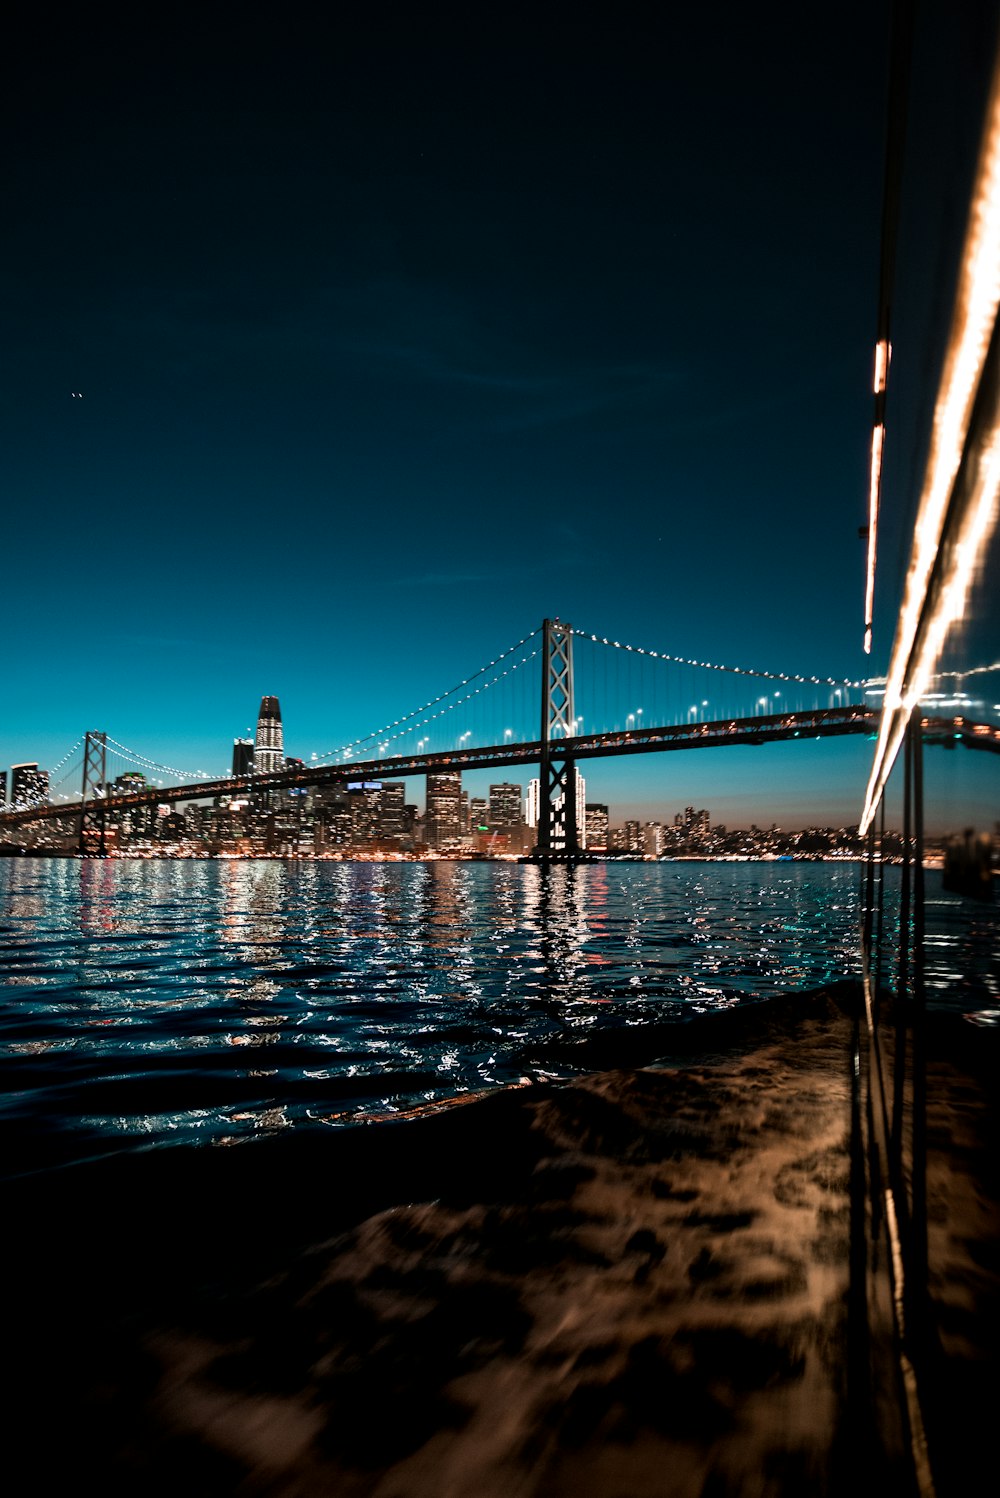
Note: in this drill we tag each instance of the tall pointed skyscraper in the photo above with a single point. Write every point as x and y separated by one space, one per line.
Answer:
269 745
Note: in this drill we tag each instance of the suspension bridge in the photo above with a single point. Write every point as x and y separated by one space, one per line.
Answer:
598 698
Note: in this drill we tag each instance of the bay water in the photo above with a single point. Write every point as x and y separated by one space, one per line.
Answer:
146 1003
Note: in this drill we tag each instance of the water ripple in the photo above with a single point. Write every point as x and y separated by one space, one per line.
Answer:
151 1003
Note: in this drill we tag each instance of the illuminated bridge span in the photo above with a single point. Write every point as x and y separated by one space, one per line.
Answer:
664 724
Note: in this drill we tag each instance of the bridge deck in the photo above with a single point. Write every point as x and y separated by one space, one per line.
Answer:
775 728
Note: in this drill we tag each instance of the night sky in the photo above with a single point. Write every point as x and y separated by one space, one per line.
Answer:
399 330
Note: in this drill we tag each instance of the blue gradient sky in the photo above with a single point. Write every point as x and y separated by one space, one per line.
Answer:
396 335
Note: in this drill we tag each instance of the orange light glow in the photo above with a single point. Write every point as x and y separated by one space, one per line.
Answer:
883 353
874 489
920 636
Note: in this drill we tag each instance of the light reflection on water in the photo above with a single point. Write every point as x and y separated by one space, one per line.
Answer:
143 1003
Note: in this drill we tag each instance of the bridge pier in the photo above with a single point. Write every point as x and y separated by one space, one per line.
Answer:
557 809
95 758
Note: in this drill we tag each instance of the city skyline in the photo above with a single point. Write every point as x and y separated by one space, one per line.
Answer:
353 817
454 327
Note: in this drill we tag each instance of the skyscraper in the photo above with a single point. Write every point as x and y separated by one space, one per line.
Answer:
29 785
392 810
269 745
533 800
444 807
581 810
243 756
505 805
597 825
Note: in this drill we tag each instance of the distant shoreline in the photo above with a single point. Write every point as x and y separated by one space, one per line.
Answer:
933 860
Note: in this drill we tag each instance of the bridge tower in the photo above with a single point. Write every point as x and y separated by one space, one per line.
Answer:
95 754
557 836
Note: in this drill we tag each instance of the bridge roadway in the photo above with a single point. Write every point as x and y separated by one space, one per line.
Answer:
823 723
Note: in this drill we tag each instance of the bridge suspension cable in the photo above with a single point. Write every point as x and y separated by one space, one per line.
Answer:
54 784
122 751
681 660
66 758
406 725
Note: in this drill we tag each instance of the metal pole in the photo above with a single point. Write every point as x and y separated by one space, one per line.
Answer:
877 967
903 979
869 892
917 1276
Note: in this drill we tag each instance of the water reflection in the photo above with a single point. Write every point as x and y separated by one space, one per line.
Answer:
163 1001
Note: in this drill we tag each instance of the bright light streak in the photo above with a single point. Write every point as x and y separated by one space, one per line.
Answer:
883 353
874 490
974 319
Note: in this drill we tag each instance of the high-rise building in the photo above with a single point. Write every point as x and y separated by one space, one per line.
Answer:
243 756
597 825
3 787
28 785
129 780
696 824
532 803
443 818
392 810
479 811
269 745
634 838
333 814
364 798
505 806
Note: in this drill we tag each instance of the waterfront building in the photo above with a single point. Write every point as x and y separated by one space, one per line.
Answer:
3 787
531 807
581 810
243 756
632 837
443 816
479 812
333 816
129 782
596 815
696 824
28 785
505 806
364 799
269 745
392 811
